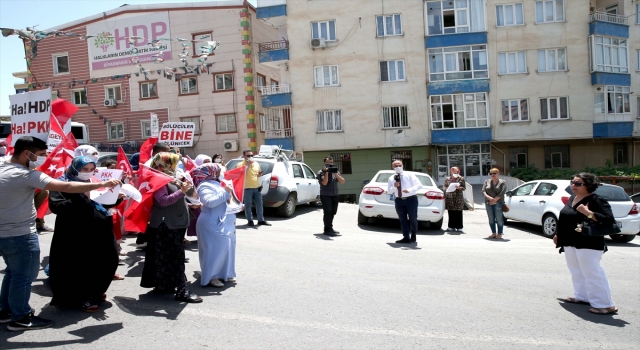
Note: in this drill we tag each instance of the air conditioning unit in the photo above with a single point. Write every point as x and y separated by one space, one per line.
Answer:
318 43
110 102
230 145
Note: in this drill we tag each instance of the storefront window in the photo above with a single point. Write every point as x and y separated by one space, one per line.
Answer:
472 159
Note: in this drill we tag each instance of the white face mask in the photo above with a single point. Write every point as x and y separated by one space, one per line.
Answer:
218 160
456 175
94 159
85 176
398 170
39 161
250 159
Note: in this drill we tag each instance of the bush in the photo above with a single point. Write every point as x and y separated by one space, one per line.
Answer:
532 173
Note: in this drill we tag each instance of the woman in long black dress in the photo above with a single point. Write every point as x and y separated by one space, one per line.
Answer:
83 256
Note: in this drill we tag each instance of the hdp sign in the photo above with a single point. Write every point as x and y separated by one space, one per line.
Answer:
177 134
30 113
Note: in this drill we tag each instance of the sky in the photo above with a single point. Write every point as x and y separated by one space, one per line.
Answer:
45 14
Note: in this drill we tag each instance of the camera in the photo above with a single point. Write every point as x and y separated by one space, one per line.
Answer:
332 169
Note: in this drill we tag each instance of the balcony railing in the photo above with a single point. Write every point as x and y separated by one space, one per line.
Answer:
273 45
605 17
278 134
274 89
614 118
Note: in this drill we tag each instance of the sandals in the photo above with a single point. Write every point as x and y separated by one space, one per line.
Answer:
574 301
89 307
492 236
216 283
117 277
604 311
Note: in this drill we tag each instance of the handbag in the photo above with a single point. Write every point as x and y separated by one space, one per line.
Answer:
592 228
505 208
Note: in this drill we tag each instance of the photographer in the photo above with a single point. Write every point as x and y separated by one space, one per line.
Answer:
329 177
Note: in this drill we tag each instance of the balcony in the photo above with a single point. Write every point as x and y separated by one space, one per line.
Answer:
275 95
601 23
276 124
612 130
273 12
273 53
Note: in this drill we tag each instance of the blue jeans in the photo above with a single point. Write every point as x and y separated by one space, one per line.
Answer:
22 256
495 216
251 195
407 210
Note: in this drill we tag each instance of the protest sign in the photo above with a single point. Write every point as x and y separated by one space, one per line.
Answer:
30 113
178 134
106 195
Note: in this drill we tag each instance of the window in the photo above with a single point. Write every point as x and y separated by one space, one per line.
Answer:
116 131
392 70
113 92
509 15
515 110
324 29
194 120
261 81
525 190
552 60
394 117
459 16
512 62
612 100
473 159
554 108
638 60
389 25
556 156
274 85
459 111
225 123
145 128
610 54
620 153
329 120
298 173
263 122
60 63
454 63
549 11
54 95
199 41
79 97
224 81
611 10
638 106
188 86
343 162
308 173
277 122
326 76
405 157
518 157
148 89
637 13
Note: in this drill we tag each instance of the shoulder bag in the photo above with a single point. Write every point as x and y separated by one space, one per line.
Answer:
596 229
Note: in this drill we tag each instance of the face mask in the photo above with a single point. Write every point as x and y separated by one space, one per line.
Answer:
218 160
456 175
39 161
398 170
250 159
84 176
94 159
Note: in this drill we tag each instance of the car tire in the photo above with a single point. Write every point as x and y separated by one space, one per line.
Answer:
549 225
288 207
436 225
362 220
622 238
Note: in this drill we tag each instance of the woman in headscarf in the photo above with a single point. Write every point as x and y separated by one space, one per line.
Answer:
89 151
84 256
216 229
164 256
202 159
454 201
195 210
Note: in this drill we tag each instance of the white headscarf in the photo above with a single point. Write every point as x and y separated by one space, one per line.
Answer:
86 150
201 158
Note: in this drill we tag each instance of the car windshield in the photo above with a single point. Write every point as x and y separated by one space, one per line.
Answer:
384 177
265 166
610 193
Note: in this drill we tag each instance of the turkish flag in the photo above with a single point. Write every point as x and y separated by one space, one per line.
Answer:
9 148
137 215
123 162
56 163
190 164
63 110
237 176
146 149
116 216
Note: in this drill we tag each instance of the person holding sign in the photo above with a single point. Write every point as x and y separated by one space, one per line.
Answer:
215 228
454 187
19 244
83 233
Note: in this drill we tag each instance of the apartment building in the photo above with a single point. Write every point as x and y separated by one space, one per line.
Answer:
469 83
116 97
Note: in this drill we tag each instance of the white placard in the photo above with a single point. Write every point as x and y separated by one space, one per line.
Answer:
107 196
453 186
178 134
105 174
131 192
30 113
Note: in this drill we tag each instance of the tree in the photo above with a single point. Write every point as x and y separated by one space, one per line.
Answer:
103 41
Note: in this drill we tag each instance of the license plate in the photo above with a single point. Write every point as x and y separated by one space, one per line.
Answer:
619 224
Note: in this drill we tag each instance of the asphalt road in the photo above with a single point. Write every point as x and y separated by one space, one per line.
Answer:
299 289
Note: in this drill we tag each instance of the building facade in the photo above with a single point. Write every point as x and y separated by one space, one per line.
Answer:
214 90
469 83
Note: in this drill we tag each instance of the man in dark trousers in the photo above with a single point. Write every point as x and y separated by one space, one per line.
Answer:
329 177
404 187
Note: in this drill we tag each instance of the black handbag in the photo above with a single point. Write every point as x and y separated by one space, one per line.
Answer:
596 229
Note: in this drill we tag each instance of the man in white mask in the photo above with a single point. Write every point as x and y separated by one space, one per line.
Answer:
19 244
404 187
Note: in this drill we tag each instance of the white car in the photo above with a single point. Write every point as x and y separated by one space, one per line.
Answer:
375 202
540 202
285 183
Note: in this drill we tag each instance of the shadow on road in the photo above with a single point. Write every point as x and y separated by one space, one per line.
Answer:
152 305
86 335
271 214
582 311
323 237
393 226
404 246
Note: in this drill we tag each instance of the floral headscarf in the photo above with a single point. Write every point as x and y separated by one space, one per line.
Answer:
205 172
86 150
169 162
201 158
71 174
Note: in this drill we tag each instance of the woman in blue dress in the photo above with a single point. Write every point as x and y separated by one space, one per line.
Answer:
215 228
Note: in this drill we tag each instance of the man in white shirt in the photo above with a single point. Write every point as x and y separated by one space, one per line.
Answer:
404 187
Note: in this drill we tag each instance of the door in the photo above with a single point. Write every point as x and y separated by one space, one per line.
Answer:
518 199
314 185
301 183
536 203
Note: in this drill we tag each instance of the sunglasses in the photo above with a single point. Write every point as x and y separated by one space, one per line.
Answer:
493 173
576 183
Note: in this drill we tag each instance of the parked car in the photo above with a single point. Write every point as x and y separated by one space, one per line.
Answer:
375 202
635 197
540 202
109 156
285 183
